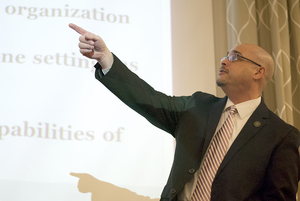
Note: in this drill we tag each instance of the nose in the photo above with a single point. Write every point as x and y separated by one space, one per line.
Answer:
223 61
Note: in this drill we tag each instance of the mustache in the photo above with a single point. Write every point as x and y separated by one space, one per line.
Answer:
223 69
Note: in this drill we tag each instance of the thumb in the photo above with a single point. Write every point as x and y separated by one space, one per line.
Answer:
78 29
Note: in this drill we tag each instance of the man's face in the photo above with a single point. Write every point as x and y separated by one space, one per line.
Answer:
238 73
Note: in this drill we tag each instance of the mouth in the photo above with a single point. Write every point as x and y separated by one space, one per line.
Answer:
222 71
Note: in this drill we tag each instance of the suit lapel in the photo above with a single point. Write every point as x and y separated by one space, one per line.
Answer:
213 120
251 128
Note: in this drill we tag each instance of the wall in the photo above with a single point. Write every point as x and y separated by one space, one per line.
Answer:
193 47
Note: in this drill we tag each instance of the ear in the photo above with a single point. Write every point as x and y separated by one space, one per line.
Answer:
259 73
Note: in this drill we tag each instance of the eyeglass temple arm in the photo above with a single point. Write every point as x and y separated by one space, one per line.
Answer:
250 60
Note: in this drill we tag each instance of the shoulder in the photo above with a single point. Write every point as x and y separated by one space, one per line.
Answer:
280 124
203 99
206 97
276 126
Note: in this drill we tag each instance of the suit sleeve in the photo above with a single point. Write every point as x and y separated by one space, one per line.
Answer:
160 109
283 171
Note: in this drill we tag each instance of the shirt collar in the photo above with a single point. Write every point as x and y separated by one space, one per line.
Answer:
245 108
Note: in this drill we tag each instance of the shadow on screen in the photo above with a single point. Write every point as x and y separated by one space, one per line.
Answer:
104 191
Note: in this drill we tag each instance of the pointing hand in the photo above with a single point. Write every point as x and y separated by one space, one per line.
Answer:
93 47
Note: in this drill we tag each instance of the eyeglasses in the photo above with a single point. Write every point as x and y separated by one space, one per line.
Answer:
234 57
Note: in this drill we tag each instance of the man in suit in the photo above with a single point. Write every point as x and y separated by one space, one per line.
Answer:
261 159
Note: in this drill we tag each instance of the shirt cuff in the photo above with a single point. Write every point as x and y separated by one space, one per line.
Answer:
104 71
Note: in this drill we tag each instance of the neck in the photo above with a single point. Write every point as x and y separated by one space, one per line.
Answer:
241 96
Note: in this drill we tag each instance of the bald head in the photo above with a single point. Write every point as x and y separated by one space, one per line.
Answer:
261 57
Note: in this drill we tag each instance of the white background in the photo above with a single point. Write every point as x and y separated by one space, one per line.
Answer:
42 92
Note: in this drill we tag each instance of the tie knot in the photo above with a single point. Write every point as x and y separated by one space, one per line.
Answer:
233 110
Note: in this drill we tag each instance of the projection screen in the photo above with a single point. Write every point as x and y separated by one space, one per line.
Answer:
58 124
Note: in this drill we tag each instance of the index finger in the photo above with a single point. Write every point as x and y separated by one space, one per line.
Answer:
78 29
79 175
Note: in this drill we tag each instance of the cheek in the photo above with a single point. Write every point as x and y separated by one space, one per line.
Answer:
239 76
243 72
245 77
248 73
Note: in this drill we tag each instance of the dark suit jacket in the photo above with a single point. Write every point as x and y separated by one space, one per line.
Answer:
262 163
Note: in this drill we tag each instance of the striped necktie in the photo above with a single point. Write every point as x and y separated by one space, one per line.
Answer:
213 158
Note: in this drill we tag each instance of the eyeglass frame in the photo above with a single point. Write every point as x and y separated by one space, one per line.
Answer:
236 57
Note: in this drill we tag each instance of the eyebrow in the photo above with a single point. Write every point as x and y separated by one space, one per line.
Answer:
235 51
